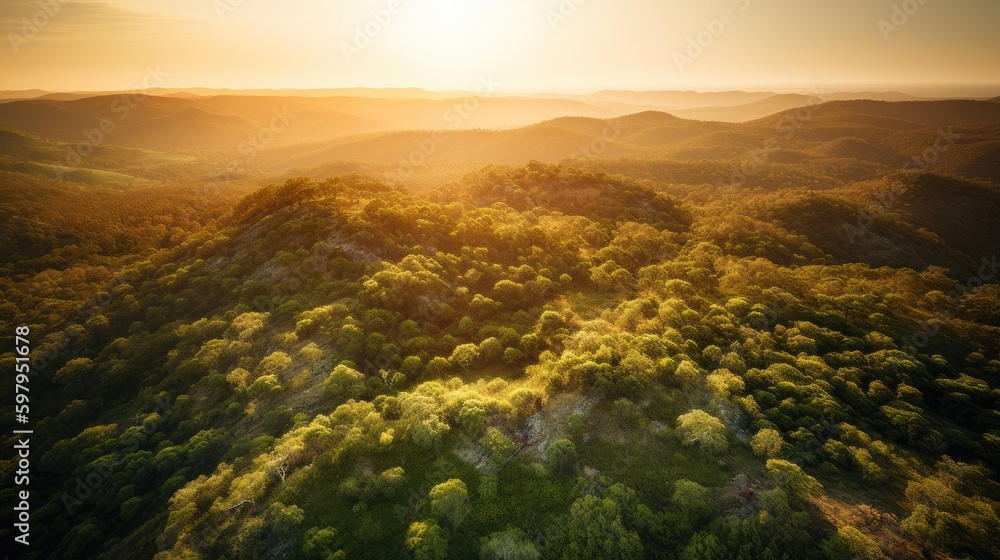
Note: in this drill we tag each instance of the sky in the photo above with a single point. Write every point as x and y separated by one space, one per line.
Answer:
521 45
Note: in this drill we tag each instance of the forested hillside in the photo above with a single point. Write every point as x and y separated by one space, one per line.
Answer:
531 362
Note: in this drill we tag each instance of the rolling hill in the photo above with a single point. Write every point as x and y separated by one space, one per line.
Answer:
104 164
224 122
844 141
841 140
935 113
782 102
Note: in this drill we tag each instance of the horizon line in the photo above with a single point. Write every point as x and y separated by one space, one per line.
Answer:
832 88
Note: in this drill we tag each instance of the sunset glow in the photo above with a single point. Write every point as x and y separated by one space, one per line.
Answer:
534 45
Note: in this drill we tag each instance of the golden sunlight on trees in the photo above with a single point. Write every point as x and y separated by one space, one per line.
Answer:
704 430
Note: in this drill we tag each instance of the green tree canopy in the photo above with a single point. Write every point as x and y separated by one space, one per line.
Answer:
426 540
464 355
511 544
450 501
767 443
561 455
701 428
596 532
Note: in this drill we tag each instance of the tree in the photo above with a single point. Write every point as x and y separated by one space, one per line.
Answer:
953 509
391 378
437 367
239 378
450 501
687 373
550 321
691 497
78 370
427 540
499 446
389 482
878 392
129 508
724 383
791 478
345 382
851 544
283 520
466 326
483 306
561 455
273 364
627 412
704 546
490 349
412 366
472 417
312 354
464 355
512 356
511 544
767 443
265 387
635 515
509 293
701 428
576 424
320 544
525 402
249 325
428 432
596 532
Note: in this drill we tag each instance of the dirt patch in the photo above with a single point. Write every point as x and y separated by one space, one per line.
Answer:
550 423
879 524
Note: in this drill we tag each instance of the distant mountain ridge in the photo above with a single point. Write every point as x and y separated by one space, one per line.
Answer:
843 141
875 136
783 102
227 121
728 106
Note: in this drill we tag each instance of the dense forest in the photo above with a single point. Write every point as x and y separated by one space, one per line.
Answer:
619 357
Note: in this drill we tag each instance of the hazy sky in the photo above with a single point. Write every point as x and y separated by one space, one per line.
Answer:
525 45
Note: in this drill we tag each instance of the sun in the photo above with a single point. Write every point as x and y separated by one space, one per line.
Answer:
460 34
